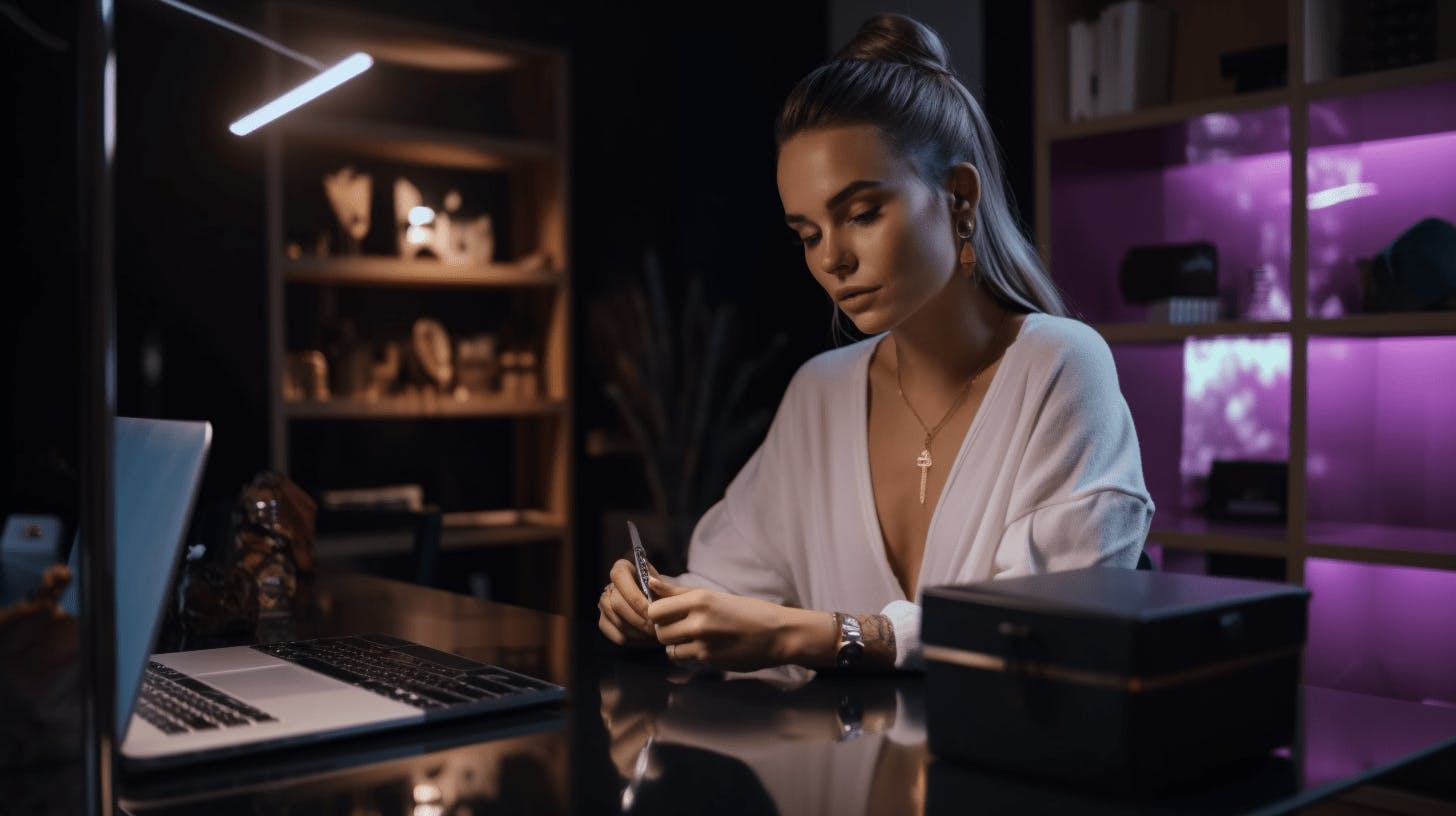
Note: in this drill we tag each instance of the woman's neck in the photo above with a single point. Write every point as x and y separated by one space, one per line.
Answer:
948 341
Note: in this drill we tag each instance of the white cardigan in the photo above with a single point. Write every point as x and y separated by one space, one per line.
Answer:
1048 477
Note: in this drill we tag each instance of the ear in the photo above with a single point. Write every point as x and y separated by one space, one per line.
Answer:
964 185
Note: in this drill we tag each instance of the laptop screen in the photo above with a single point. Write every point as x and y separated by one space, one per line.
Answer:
158 467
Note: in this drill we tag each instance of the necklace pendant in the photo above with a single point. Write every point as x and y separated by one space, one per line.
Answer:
923 462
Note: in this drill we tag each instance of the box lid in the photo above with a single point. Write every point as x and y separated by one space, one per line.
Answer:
1119 621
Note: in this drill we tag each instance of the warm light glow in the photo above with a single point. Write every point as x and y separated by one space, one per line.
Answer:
1337 195
417 235
426 793
421 215
319 85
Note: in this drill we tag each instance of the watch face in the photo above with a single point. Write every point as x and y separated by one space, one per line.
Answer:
850 653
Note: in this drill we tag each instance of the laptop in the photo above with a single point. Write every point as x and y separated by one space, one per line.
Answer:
185 707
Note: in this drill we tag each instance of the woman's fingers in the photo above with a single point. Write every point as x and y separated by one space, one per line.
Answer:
625 613
624 578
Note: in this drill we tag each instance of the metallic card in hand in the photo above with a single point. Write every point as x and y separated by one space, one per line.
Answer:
639 557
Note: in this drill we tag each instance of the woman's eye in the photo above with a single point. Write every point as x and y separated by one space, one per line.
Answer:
806 240
866 217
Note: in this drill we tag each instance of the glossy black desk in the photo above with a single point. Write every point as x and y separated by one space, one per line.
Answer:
642 734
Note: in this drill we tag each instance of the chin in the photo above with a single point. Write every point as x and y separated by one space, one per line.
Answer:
872 321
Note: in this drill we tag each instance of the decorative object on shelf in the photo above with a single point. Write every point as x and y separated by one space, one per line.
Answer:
1183 310
350 361
1119 62
306 376
1157 271
1414 272
1248 490
384 372
431 347
1264 298
441 233
1256 69
476 365
349 195
409 497
680 397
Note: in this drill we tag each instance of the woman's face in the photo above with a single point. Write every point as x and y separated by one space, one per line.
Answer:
876 237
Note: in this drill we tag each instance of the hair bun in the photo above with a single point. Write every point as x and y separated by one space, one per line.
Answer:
896 38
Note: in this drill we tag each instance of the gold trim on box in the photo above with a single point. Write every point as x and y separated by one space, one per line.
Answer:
1104 680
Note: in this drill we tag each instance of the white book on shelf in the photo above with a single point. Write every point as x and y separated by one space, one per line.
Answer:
1154 69
1081 70
1109 36
1128 20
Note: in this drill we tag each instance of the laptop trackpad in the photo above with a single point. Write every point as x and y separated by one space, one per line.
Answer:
274 681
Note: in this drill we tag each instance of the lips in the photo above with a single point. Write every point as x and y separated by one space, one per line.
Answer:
853 294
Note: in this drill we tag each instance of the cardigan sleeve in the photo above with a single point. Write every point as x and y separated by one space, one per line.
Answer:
1078 499
740 544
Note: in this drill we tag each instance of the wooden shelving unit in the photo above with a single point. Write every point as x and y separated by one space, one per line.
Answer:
1293 128
514 152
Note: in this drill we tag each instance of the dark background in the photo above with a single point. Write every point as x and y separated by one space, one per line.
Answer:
672 152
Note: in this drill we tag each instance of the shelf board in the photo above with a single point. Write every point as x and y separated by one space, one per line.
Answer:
1383 80
1191 532
461 150
401 542
387 271
1171 332
1164 115
434 407
1401 323
1382 544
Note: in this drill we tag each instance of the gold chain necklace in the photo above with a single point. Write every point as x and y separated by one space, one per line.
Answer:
923 461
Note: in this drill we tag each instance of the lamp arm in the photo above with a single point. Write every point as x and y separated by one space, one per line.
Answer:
247 32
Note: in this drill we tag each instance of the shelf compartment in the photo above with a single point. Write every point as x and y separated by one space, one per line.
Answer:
399 272
1197 400
1383 544
1378 164
1221 177
1381 444
1390 78
459 150
409 408
1385 630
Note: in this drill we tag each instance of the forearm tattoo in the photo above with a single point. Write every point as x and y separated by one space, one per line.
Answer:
879 640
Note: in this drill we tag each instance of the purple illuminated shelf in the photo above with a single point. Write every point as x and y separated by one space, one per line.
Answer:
1221 177
1378 163
1382 629
1194 532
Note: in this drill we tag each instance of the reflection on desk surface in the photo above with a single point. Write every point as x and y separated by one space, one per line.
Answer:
656 738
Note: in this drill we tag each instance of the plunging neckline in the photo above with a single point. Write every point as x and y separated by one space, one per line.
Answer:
875 533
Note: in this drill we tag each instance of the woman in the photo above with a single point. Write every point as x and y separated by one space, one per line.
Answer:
977 433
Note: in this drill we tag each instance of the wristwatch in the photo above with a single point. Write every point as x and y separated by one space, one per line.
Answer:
851 642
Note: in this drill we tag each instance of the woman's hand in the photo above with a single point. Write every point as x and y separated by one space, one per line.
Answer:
735 633
623 608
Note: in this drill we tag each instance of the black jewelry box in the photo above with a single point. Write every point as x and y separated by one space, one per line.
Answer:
1123 680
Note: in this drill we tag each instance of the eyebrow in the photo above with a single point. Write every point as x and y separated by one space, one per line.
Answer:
838 198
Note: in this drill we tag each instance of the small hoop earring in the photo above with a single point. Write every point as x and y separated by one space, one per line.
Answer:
965 229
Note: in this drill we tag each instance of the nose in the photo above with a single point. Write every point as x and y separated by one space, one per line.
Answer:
835 259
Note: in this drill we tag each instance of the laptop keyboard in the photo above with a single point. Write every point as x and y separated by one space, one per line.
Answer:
176 703
405 671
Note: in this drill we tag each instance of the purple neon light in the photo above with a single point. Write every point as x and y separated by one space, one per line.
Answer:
1235 405
1382 630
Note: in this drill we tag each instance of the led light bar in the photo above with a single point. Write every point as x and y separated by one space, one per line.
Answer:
329 79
